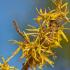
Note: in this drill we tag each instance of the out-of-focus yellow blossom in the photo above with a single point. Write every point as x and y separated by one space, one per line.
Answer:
6 66
62 9
60 12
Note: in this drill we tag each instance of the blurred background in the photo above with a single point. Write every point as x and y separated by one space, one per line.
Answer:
23 11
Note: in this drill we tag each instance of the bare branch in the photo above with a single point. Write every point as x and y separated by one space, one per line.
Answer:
17 28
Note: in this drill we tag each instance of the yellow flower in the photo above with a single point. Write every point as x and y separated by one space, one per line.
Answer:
62 9
38 42
5 65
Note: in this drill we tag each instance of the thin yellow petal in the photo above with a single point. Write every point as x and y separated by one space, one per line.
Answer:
22 56
64 36
33 30
16 52
66 28
26 37
57 44
41 10
37 11
3 59
16 42
65 4
31 26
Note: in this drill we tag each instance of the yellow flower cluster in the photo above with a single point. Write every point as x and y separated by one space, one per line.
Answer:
6 66
39 42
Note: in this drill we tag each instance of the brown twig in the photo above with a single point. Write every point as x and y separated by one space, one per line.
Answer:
17 28
28 64
19 32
